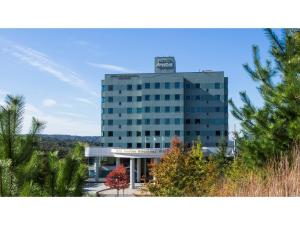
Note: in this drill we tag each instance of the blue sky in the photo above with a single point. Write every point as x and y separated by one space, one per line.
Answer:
59 71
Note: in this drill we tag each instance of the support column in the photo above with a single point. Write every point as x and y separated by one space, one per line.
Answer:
132 178
145 168
96 167
118 161
138 170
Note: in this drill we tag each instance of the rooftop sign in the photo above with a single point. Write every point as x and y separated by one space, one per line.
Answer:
165 65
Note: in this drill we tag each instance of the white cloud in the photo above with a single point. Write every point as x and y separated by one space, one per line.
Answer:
110 67
60 125
71 114
43 63
86 101
49 102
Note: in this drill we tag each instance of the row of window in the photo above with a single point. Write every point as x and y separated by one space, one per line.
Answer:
166 97
165 85
146 109
147 145
166 133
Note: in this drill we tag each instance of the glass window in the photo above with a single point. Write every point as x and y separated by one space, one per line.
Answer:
110 87
167 121
103 99
138 122
110 144
177 108
218 97
147 145
110 110
157 109
197 133
147 85
157 133
177 121
138 98
177 132
157 121
147 121
147 109
110 122
167 133
110 133
187 85
217 109
167 109
110 99
157 145
147 132
138 110
129 110
138 145
218 133
157 85
167 97
129 122
217 85
197 85
197 97
188 133
129 145
167 85
188 97
147 97
139 87
129 87
129 133
197 121
138 133
177 97
188 121
167 145
157 97
177 85
129 98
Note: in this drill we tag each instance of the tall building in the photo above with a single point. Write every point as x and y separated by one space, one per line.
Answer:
142 112
146 110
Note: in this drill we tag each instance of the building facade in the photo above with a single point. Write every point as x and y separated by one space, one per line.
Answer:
142 112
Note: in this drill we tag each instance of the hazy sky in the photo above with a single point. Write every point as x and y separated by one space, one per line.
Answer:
59 71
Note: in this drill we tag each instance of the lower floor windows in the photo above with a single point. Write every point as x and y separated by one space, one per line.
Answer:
139 145
167 145
177 132
157 145
129 145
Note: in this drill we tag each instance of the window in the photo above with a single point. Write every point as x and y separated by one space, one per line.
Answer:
110 122
207 137
218 97
157 109
188 97
197 97
138 145
139 110
157 121
110 145
177 85
187 85
188 121
120 92
167 133
197 133
218 133
110 133
157 85
120 137
207 125
129 110
177 121
217 85
138 98
129 133
138 133
167 121
103 99
147 133
188 133
157 133
129 98
226 133
197 85
129 87
167 97
157 97
147 97
110 110
177 97
147 109
197 121
147 121
110 87
110 99
167 109
120 103
120 126
167 85
120 114
167 145
177 108
139 87
129 145
147 85
157 145
147 145
129 122
139 122
177 132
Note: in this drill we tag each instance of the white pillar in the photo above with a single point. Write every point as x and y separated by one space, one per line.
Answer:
138 170
132 178
96 167
145 167
118 161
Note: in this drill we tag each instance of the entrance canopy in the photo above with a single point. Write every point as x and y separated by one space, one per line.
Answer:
125 152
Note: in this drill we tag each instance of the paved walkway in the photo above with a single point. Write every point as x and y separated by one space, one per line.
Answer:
91 188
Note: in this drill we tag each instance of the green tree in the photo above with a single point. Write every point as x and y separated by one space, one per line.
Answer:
273 129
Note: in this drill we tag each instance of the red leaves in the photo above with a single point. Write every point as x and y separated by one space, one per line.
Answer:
118 178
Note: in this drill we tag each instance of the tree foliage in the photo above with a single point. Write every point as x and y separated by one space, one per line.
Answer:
117 179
